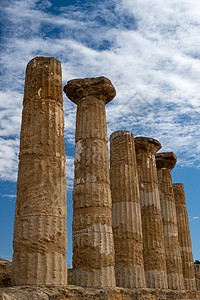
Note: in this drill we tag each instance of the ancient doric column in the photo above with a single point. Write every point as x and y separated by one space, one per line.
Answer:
154 250
165 163
197 275
126 214
184 237
40 230
93 245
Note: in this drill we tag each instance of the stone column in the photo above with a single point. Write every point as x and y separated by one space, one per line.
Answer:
153 238
184 237
126 214
197 275
165 163
40 230
93 245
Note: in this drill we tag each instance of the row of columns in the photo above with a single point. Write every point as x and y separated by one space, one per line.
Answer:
166 264
130 239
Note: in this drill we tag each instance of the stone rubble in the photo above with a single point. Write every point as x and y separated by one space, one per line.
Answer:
80 293
5 272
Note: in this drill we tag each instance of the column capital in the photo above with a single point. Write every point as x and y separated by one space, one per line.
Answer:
120 133
99 87
147 144
166 160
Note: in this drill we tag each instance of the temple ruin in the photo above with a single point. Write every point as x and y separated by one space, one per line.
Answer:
93 245
126 214
165 162
152 227
130 224
40 230
184 237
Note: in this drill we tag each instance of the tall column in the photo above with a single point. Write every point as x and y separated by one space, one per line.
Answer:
126 214
93 245
197 275
153 238
40 229
165 163
184 237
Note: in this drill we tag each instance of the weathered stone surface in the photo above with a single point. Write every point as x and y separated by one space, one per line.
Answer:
43 80
126 215
153 237
93 246
99 87
197 275
78 293
165 162
40 230
184 237
5 272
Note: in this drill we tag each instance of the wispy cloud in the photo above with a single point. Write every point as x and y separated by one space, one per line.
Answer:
149 49
195 218
9 159
8 195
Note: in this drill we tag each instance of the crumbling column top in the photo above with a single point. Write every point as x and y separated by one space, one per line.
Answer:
166 160
179 194
178 186
120 133
99 87
147 144
41 59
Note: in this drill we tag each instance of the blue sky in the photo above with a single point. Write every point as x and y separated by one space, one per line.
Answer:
150 51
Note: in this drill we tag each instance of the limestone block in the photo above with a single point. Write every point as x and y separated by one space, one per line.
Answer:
5 272
126 214
153 237
93 246
47 175
42 129
40 230
184 237
79 293
165 163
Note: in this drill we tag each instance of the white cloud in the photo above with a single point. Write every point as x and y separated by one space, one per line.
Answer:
152 57
8 195
9 159
70 172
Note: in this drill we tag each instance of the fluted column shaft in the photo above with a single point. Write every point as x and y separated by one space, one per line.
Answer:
165 163
126 215
184 237
153 238
93 245
197 275
40 229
